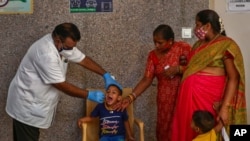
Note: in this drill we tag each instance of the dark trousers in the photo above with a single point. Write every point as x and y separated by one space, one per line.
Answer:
23 132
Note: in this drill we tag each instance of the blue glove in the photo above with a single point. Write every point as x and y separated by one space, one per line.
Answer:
96 96
109 80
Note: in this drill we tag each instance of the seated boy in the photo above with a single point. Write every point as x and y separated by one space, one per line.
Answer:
203 123
113 124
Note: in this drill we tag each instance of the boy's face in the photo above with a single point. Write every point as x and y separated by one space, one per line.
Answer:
194 127
112 95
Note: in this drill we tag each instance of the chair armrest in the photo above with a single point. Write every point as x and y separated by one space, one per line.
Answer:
84 132
140 124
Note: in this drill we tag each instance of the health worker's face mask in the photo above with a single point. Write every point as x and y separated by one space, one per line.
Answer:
66 52
200 33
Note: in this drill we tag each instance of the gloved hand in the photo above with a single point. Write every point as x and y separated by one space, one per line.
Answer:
96 96
109 80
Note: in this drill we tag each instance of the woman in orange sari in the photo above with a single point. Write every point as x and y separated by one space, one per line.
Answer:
163 63
214 74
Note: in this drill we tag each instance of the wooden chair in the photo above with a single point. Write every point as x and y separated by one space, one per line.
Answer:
90 131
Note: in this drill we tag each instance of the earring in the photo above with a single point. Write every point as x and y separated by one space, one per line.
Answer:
221 25
197 129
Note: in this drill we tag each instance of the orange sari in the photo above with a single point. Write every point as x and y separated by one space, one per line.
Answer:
167 89
199 90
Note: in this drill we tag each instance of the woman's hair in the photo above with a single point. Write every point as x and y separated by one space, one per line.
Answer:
210 16
165 30
204 120
65 30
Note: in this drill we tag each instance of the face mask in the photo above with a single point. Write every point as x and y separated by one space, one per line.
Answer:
66 52
200 33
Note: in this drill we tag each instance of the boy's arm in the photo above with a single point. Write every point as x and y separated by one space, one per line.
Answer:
84 120
129 131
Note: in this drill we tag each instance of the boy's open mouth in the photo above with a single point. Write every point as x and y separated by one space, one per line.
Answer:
109 99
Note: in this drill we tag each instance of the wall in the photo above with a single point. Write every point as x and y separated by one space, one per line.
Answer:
119 41
237 27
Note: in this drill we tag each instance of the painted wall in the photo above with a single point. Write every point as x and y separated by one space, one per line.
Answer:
237 27
119 41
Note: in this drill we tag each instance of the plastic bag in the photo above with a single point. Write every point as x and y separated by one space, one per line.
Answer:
224 134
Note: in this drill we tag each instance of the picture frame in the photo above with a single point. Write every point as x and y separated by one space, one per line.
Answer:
16 6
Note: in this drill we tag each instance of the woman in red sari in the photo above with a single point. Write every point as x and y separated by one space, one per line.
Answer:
163 63
214 74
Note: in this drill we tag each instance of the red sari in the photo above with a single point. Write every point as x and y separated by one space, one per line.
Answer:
201 90
167 88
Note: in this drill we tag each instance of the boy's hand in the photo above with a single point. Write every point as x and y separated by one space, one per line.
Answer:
84 120
131 139
80 122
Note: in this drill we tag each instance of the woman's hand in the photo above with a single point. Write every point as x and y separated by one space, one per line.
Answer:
118 106
218 127
222 118
123 104
223 115
183 60
171 71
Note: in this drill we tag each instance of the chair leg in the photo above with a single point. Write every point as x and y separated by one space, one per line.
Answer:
84 132
140 124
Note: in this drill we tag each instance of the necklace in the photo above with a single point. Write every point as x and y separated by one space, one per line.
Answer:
198 48
111 110
215 37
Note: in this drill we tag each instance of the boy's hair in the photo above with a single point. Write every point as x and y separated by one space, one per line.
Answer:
120 90
204 120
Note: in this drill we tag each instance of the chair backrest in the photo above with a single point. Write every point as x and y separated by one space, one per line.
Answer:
93 127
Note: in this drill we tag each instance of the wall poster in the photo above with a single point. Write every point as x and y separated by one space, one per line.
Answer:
238 5
81 6
16 6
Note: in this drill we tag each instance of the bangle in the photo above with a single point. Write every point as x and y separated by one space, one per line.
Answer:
178 69
134 95
225 105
